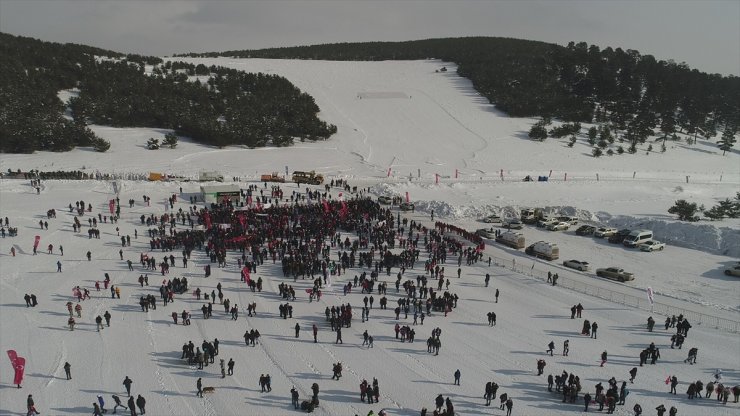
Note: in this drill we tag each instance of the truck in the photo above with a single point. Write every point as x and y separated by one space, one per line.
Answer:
272 177
511 239
543 249
311 178
210 176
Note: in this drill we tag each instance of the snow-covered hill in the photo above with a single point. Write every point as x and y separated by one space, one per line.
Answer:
419 124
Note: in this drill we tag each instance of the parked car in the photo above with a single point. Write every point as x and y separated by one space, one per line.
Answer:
486 233
385 200
512 224
560 226
733 271
492 219
406 206
652 245
615 273
619 236
567 218
576 264
546 222
585 230
602 232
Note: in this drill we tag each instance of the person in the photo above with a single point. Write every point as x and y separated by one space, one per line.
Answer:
497 295
294 397
68 370
674 383
231 366
594 327
199 386
222 364
118 403
603 358
633 374
673 411
587 401
510 404
297 329
59 266
566 347
488 279
127 383
637 409
141 404
31 406
101 402
551 347
132 406
457 377
315 333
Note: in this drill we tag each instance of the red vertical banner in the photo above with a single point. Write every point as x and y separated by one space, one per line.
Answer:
389 173
36 242
407 197
436 178
112 205
19 366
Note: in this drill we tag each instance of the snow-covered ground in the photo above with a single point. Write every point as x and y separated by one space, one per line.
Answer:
418 123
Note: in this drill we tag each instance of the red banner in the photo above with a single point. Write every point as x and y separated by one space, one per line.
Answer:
112 205
19 365
36 242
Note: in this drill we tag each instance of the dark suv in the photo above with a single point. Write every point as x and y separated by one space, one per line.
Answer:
585 230
619 236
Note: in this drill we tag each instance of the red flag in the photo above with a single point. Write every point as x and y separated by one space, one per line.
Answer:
326 206
19 365
112 205
407 197
36 242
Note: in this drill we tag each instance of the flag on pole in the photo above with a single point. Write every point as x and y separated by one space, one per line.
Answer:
650 295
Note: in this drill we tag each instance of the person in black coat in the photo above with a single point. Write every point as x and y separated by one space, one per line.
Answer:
141 404
131 406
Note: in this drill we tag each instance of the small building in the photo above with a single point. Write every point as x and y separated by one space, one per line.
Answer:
215 194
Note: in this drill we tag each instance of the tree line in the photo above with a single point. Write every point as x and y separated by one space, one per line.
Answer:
227 107
635 94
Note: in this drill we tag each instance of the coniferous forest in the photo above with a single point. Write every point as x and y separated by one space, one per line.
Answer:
634 94
229 107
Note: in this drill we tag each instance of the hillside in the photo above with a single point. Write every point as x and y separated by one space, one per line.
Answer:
229 107
633 92
402 116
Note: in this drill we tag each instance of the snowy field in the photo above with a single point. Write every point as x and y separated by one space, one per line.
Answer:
404 117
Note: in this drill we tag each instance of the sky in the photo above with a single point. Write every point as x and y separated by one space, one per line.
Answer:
705 34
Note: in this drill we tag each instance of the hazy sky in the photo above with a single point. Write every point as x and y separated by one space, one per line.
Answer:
704 33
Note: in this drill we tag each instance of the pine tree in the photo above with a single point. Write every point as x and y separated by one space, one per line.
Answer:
538 132
170 139
685 210
728 139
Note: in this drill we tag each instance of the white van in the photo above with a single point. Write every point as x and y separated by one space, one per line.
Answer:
637 237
